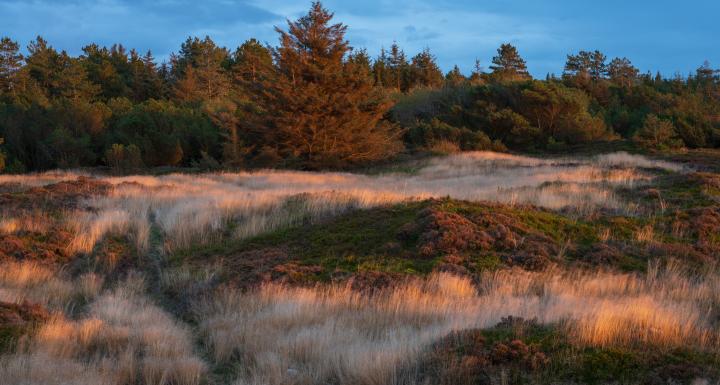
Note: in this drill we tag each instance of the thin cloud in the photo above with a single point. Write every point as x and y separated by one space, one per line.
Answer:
654 34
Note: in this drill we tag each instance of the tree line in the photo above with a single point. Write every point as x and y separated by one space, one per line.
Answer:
314 102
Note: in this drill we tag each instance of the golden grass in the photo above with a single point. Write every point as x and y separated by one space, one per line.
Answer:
333 334
21 281
124 339
196 209
36 222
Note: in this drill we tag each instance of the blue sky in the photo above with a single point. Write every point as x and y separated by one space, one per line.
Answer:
660 35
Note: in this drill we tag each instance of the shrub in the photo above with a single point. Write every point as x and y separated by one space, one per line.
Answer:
657 133
437 134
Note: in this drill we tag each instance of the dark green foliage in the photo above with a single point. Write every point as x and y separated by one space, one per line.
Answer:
426 135
124 159
57 110
2 156
508 65
657 133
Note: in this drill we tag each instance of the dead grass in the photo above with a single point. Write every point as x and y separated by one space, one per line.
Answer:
30 281
124 339
334 334
198 209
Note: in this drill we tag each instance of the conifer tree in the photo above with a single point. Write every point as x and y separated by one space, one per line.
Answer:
425 71
508 65
587 65
622 72
455 77
10 64
251 61
321 109
397 69
208 78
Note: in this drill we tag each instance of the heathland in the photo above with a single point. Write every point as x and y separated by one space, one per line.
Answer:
305 214
479 267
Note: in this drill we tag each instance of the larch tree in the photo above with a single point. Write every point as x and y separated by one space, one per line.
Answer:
321 109
508 65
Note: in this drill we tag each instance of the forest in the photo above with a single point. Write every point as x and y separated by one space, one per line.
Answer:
314 102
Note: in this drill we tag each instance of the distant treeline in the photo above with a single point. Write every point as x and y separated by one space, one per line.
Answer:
314 102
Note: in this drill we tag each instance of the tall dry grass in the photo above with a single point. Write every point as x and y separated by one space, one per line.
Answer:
33 282
197 209
123 339
332 334
32 222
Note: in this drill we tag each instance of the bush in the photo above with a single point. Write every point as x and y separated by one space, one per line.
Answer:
657 134
438 134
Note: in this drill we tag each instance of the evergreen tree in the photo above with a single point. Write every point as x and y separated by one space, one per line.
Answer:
10 64
145 80
587 65
380 69
454 77
251 61
321 109
508 65
397 74
425 71
477 74
361 60
622 72
200 70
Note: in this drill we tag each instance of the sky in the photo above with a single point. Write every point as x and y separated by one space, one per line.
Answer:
672 37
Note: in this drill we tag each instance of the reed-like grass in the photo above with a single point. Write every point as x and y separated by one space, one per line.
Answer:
33 282
197 209
123 339
333 334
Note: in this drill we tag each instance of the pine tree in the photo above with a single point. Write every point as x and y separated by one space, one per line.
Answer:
622 72
586 65
251 61
361 60
208 63
321 109
508 65
477 74
455 77
425 71
380 70
10 64
397 69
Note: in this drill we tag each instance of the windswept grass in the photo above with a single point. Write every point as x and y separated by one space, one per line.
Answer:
30 281
200 209
124 339
332 333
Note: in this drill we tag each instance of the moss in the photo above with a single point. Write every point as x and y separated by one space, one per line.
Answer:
602 365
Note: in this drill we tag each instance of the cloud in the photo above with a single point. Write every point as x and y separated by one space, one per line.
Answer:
656 35
157 25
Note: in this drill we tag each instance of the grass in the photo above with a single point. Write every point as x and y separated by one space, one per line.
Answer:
335 334
402 275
